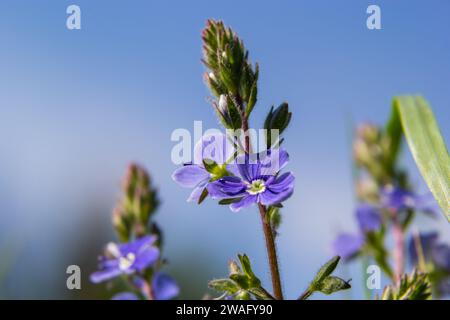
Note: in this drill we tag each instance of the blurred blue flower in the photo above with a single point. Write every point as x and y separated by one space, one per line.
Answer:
436 253
433 251
194 175
347 245
164 286
126 258
125 296
397 199
369 218
258 181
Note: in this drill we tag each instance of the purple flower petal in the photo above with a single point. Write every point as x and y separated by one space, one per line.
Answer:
427 242
137 245
426 204
245 202
104 275
164 286
282 183
215 147
146 258
197 192
441 256
369 218
347 245
125 296
226 187
269 198
272 161
248 166
190 176
398 199
128 258
277 190
249 172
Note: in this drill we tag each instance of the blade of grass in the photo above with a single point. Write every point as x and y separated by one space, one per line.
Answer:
427 145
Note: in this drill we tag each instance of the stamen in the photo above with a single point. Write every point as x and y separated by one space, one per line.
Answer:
257 186
126 262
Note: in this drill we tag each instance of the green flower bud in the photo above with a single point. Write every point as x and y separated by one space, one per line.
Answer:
131 215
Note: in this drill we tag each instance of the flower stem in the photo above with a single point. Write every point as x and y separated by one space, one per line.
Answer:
305 295
268 232
272 254
148 291
399 255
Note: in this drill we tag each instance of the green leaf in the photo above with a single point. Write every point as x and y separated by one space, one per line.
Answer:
333 284
394 132
252 99
326 270
217 171
324 282
203 196
415 286
277 119
247 268
426 144
229 201
241 283
274 217
241 279
227 285
210 165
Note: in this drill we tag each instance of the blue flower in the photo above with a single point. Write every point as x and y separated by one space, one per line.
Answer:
258 181
126 258
164 287
397 199
125 296
194 175
433 251
348 245
369 218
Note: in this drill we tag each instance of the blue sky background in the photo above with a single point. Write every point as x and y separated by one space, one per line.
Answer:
77 106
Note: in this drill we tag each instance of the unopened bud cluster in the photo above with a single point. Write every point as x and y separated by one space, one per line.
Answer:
131 216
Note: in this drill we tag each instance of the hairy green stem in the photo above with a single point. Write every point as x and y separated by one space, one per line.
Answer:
272 253
268 232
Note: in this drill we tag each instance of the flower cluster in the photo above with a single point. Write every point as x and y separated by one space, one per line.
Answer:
244 180
433 257
137 259
387 205
370 218
225 168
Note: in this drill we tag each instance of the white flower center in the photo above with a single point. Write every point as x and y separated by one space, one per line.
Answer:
126 262
257 186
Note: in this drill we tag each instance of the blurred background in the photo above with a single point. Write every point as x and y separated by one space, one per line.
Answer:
77 106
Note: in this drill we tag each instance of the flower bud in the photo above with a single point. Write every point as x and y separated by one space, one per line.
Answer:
367 190
223 105
133 211
368 132
233 267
